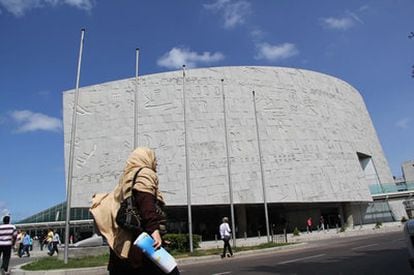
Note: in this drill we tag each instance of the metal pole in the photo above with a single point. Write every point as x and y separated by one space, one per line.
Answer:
187 169
377 176
71 150
261 169
136 101
233 225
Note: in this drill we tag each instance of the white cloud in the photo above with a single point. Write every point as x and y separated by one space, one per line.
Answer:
276 52
177 57
257 34
20 7
2 119
345 22
363 8
3 209
28 122
403 123
342 23
81 4
234 12
355 17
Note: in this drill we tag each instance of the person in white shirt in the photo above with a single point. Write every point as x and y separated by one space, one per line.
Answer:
8 236
225 234
55 242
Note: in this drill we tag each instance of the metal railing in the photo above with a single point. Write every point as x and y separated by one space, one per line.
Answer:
390 188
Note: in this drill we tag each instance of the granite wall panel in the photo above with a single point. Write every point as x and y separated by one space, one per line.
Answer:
311 127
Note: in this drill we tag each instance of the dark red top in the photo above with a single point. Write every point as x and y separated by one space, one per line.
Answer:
151 221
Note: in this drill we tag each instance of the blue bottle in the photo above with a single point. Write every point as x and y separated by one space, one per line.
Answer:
160 257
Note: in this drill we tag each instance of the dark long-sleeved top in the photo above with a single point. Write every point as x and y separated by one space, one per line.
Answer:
151 220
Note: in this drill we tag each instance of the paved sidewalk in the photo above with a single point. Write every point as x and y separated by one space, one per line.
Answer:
314 236
302 239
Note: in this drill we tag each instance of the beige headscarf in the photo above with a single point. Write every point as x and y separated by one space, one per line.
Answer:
147 180
105 206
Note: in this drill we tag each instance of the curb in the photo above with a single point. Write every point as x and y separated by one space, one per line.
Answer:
210 258
100 270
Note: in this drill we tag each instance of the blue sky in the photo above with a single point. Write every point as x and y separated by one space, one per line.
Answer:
365 43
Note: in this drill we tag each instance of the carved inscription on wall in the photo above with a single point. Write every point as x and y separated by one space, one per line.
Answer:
310 127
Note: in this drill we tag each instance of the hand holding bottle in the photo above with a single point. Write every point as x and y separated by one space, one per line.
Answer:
153 250
157 239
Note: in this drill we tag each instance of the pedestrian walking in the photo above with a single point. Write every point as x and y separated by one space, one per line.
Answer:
43 240
55 243
125 258
49 240
8 236
322 223
18 245
309 225
30 243
225 233
26 245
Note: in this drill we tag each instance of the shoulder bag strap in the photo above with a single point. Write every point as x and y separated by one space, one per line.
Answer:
135 178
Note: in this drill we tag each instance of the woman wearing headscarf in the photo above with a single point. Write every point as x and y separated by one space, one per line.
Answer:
125 258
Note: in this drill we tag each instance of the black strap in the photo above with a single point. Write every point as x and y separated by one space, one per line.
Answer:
135 177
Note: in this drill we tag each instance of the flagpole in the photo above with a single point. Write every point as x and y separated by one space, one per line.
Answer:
261 170
136 100
187 170
233 224
71 150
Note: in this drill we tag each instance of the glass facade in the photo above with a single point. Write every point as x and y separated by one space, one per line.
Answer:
57 213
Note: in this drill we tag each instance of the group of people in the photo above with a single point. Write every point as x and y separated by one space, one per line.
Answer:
309 224
124 257
23 244
51 240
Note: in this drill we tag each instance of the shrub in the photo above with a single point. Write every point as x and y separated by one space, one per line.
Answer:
378 225
296 232
180 242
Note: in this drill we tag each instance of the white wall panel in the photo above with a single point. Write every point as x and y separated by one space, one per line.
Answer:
311 127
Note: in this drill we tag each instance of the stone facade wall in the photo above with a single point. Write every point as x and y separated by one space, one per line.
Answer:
408 171
311 127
